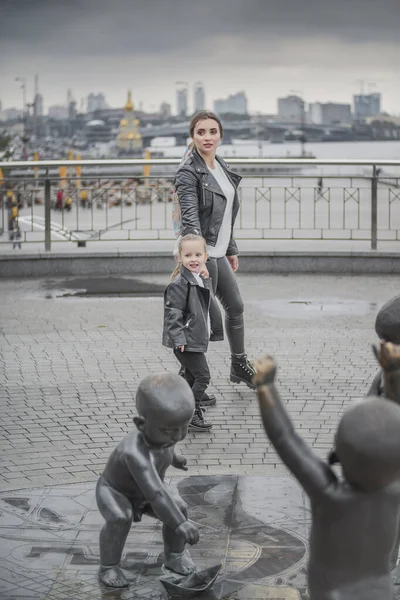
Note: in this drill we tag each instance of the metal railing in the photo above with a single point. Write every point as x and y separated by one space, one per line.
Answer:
111 200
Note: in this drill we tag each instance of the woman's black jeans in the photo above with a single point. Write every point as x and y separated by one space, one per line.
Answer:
226 289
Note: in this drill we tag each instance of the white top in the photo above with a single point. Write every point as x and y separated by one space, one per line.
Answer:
201 284
224 234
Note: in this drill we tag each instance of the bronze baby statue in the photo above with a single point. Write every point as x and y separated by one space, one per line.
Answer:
387 327
355 519
132 482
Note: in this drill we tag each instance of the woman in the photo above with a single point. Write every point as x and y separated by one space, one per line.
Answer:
207 192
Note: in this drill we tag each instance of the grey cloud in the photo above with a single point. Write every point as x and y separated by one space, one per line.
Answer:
149 26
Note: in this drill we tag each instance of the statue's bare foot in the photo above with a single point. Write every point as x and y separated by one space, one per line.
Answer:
388 356
265 367
181 563
113 577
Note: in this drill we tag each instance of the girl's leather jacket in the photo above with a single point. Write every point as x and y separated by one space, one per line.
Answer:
186 308
202 201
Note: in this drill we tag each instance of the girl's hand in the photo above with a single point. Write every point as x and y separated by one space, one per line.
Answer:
204 272
234 262
181 348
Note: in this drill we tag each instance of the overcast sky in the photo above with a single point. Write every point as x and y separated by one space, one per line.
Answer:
322 48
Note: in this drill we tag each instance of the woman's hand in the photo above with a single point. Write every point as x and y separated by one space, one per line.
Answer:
181 348
234 262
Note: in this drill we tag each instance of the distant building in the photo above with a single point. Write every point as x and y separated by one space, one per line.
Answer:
165 110
129 139
329 113
97 131
12 114
182 102
235 103
38 105
366 105
95 102
58 112
199 97
291 108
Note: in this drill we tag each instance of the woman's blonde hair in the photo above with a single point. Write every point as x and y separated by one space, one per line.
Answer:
190 237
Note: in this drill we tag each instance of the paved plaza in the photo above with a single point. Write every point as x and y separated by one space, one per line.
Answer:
72 354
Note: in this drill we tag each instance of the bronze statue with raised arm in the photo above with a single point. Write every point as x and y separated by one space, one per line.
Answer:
355 519
132 482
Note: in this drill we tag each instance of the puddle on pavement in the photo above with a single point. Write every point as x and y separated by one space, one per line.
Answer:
304 309
102 287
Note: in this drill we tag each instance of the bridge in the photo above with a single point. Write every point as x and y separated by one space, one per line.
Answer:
274 130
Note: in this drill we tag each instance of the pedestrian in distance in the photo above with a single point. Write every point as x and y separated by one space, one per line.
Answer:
189 324
16 236
207 197
59 202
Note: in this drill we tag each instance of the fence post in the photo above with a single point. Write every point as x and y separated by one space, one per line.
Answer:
374 209
47 212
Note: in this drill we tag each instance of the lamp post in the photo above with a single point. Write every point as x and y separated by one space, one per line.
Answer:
186 87
22 81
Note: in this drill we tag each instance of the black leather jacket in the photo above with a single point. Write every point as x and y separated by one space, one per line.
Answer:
202 200
186 307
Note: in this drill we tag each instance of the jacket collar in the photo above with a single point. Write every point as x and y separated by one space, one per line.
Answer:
190 278
201 167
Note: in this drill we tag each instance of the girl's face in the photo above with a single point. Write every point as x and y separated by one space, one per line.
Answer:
207 136
193 255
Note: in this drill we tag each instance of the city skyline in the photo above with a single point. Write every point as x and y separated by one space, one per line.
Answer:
268 49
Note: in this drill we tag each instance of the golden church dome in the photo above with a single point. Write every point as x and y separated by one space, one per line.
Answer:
123 123
129 103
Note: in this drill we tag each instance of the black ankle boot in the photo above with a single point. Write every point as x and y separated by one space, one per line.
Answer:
198 423
208 400
242 371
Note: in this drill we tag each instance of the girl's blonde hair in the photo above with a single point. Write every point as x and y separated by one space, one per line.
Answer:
190 237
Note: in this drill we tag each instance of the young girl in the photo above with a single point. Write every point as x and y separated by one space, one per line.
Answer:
189 323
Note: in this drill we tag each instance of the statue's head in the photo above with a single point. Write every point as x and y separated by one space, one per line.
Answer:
367 443
387 323
165 405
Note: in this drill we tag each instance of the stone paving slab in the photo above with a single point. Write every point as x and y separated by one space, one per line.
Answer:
254 527
70 366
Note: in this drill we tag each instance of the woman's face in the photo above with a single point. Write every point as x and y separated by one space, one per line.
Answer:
207 136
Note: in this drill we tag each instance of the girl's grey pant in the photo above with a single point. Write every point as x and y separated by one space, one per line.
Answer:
227 291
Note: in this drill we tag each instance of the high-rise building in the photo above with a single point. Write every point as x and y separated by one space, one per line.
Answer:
367 105
199 97
96 102
235 103
182 102
12 113
329 113
38 105
165 110
291 108
58 112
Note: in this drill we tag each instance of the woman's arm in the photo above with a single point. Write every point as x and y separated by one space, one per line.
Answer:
232 248
186 185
